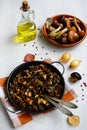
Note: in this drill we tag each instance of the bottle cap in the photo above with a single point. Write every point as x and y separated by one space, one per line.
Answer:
25 5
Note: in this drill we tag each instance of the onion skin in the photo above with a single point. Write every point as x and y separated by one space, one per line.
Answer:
65 57
75 64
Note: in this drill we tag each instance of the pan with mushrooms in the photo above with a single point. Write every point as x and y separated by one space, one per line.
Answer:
28 82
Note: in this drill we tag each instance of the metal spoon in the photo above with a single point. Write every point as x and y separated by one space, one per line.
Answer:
60 107
66 103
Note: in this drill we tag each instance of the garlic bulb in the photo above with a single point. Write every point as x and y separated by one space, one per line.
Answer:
65 57
75 63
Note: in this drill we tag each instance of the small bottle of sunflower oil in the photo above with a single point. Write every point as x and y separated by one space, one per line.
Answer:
26 28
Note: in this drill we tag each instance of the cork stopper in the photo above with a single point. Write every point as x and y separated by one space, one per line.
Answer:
25 5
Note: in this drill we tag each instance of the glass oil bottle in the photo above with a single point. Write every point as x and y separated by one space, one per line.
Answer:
26 28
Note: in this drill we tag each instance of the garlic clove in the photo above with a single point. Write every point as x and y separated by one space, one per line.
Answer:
65 57
75 63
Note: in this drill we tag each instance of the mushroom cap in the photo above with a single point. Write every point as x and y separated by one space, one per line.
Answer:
76 75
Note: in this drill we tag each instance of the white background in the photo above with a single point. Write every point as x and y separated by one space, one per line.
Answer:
12 54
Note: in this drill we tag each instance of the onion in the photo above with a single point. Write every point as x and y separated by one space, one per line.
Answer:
65 57
75 63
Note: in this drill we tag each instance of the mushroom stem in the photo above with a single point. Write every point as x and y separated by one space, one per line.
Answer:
61 32
80 31
68 22
49 21
54 33
76 24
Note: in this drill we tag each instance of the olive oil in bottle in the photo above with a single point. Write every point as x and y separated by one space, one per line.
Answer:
26 29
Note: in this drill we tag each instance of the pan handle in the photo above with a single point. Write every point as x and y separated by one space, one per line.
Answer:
12 111
61 65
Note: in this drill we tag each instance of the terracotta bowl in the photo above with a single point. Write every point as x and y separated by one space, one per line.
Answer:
68 44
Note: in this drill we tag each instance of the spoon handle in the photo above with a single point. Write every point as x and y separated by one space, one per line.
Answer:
66 103
60 107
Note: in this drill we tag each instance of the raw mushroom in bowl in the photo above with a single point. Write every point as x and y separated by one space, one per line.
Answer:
64 30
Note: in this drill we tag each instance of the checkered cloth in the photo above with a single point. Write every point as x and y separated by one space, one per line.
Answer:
18 119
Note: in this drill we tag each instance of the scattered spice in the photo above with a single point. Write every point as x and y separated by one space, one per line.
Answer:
41 58
81 85
83 74
82 98
24 44
82 89
46 53
54 51
85 84
33 45
76 100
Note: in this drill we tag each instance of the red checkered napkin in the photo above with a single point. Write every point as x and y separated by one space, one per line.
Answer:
18 119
